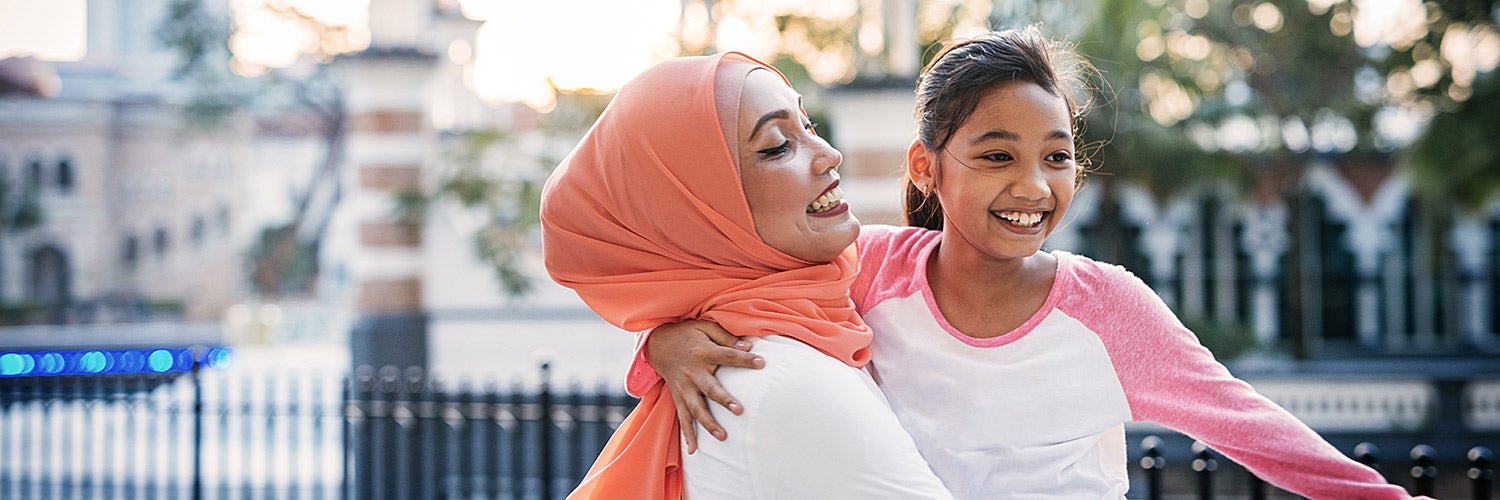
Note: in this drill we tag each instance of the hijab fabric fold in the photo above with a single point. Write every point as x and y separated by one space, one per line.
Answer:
646 220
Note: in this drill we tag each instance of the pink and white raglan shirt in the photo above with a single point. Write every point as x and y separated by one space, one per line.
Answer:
1039 412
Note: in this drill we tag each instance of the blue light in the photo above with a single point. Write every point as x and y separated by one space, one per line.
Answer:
13 364
130 362
109 362
217 358
93 362
159 361
51 363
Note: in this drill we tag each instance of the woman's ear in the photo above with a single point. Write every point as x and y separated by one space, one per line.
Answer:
921 166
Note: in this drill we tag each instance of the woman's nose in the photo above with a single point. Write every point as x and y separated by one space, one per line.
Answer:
827 158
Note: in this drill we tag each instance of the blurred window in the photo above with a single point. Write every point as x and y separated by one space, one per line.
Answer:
130 252
160 242
65 174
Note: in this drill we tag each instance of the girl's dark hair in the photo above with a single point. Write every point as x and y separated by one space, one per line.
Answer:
950 87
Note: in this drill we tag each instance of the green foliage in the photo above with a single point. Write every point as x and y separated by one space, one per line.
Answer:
197 36
412 206
1226 340
494 174
21 313
1457 159
279 268
200 39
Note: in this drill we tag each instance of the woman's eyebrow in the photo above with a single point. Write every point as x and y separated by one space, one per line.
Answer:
778 114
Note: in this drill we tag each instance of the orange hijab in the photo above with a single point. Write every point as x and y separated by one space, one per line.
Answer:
647 221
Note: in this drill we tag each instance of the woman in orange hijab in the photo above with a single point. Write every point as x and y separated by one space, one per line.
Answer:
703 193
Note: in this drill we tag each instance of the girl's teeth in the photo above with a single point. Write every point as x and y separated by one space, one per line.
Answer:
1022 218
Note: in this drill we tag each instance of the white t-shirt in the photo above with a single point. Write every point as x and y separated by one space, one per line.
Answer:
1038 412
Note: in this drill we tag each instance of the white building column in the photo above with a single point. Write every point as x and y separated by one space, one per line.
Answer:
1472 246
1266 240
389 142
1162 231
1371 236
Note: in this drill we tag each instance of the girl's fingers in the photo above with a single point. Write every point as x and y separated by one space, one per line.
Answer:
733 357
689 431
716 393
722 337
707 421
699 410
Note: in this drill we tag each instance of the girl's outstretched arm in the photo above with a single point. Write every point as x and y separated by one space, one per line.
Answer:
1171 379
685 355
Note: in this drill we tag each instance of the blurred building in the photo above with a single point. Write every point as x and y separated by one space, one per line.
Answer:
140 211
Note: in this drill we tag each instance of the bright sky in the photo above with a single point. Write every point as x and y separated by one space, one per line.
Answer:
595 44
526 47
51 30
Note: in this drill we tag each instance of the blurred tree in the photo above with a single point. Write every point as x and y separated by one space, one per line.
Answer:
496 177
285 258
1457 159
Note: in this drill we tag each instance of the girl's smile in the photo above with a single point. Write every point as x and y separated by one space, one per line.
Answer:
1007 175
1020 221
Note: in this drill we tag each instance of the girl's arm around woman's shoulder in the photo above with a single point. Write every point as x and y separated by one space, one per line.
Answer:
1171 379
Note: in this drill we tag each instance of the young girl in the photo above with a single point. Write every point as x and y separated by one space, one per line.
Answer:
702 192
1015 369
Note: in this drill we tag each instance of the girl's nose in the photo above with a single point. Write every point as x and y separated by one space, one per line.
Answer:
1031 184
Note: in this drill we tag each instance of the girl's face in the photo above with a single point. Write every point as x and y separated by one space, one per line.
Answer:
788 174
1006 177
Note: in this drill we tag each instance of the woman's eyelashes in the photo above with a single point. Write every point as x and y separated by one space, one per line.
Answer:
786 145
776 151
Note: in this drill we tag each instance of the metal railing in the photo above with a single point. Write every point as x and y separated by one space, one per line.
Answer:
401 434
1210 474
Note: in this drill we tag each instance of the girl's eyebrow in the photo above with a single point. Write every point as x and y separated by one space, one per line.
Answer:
1012 136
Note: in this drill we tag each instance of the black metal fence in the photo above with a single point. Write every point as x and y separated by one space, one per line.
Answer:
1208 475
411 437
400 434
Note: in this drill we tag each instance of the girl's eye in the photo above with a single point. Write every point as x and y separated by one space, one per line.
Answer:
996 157
1059 157
775 151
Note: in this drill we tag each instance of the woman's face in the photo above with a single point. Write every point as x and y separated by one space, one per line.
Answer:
788 174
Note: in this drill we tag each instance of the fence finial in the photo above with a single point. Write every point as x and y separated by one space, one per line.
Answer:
1482 472
1369 454
1424 469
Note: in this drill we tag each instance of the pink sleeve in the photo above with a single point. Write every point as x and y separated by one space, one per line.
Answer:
872 244
641 376
1171 379
887 263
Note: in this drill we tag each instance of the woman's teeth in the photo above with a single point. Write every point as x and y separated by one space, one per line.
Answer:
1021 218
827 201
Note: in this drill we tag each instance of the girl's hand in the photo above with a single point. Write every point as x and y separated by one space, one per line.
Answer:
686 354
